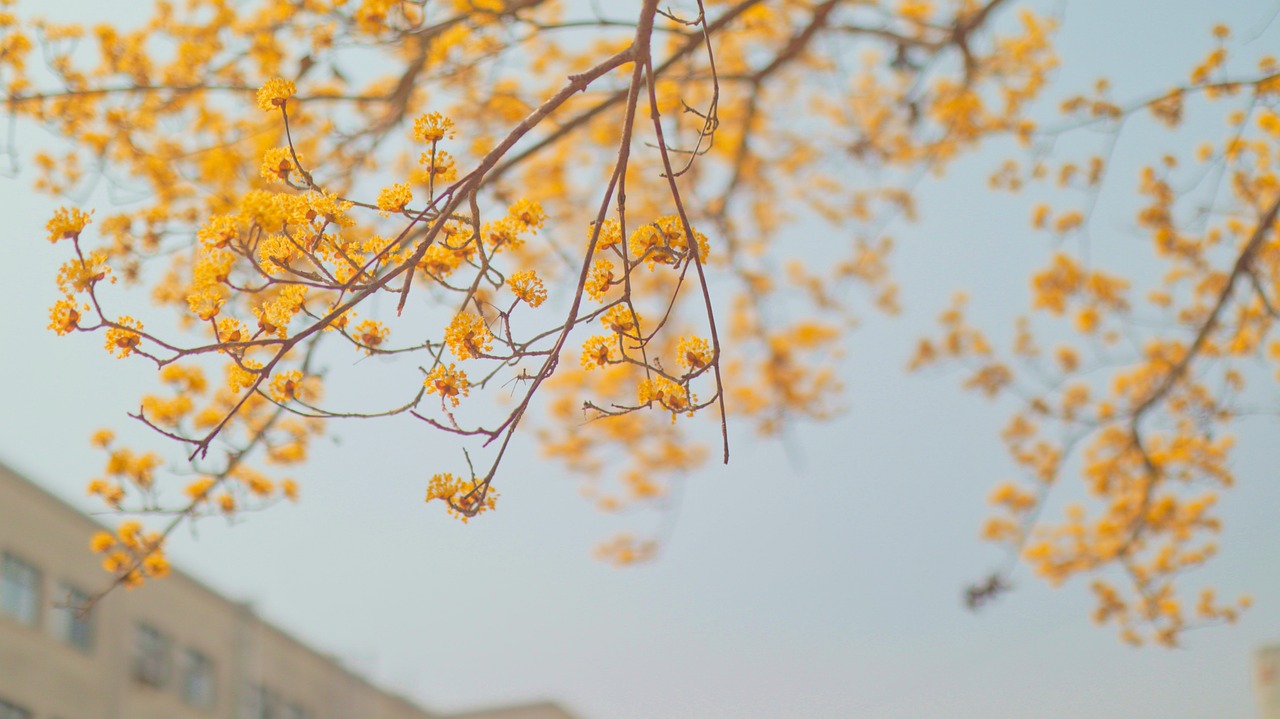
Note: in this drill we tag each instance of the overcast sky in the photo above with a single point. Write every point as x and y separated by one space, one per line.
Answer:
845 606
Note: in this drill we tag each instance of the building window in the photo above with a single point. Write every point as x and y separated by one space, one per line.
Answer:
13 711
197 679
151 657
19 590
263 703
72 623
260 703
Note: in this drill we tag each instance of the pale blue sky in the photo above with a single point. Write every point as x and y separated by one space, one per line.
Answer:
846 606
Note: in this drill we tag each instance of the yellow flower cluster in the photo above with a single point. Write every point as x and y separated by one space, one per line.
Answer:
620 319
610 233
198 490
277 165
694 354
370 334
67 222
432 127
600 279
467 336
371 16
242 375
285 385
597 351
438 166
439 261
394 199
670 395
206 302
465 499
664 242
275 252
78 275
166 411
527 286
131 555
624 549
528 214
123 339
64 316
449 382
275 315
274 93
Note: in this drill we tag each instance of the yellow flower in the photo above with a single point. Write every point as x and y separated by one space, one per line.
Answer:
155 564
78 275
274 316
600 279
67 222
528 214
232 330
448 382
123 340
274 93
465 500
439 261
610 233
1087 319
693 353
394 198
438 166
277 164
258 484
432 127
597 352
664 242
502 234
239 377
624 549
129 532
327 207
620 320
371 333
284 386
205 302
219 231
670 395
275 252
528 287
198 490
115 561
64 316
467 336
102 541
166 412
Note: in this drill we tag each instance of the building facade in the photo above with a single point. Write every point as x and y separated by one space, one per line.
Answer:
173 649
1266 681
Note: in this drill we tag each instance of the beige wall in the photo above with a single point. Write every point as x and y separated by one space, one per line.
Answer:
57 681
1266 681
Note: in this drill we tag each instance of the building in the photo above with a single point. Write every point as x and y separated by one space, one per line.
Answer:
174 649
1266 681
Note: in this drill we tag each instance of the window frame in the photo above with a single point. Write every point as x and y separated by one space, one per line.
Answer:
66 622
13 590
152 656
203 692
